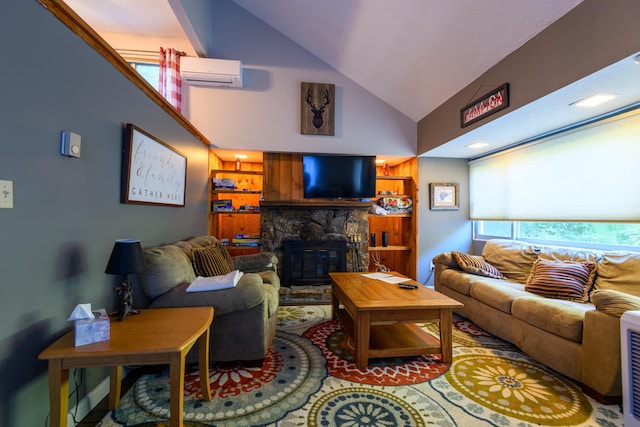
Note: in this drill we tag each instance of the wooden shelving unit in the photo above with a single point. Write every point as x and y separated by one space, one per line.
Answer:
400 254
247 192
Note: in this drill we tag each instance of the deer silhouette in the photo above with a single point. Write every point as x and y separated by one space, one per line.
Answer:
317 111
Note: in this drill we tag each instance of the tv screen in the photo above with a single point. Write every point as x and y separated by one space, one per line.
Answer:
336 176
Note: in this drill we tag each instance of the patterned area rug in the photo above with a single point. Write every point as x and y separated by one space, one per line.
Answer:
309 379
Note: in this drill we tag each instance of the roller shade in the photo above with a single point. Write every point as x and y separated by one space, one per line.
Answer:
591 173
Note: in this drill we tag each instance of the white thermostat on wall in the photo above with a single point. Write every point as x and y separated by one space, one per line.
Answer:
70 145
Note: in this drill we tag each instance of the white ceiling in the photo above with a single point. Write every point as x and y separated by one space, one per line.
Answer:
413 54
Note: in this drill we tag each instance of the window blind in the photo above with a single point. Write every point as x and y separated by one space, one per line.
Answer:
591 173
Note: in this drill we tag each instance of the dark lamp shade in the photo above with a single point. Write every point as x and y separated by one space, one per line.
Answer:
126 257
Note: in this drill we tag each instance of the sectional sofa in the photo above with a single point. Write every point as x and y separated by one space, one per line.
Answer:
561 306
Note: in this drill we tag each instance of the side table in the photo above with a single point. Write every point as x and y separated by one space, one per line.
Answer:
153 337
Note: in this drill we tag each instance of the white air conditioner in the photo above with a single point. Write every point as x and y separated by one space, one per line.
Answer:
211 72
630 351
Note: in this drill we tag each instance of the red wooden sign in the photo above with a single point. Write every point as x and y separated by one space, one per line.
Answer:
488 104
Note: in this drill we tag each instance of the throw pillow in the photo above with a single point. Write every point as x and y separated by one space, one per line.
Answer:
561 279
476 265
614 302
212 260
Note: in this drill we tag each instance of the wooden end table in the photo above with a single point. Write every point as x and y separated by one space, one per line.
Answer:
381 317
153 337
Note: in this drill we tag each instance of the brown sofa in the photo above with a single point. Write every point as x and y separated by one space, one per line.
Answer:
578 339
245 316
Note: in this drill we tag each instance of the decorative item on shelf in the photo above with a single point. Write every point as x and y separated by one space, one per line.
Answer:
385 239
396 205
222 205
373 240
385 169
225 184
126 258
238 164
445 196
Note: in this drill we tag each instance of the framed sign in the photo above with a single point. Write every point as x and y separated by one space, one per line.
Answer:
445 195
487 105
152 172
317 114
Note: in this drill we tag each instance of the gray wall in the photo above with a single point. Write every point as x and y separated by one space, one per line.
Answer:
441 230
55 242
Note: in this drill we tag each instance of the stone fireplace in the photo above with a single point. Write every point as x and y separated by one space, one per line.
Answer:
309 262
315 222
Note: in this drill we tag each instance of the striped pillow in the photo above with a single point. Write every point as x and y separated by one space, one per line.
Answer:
561 279
212 260
476 265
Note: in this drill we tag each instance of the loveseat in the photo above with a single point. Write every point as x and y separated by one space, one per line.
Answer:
245 315
570 322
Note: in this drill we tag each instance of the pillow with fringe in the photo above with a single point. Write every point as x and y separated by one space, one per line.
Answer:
565 280
212 260
475 264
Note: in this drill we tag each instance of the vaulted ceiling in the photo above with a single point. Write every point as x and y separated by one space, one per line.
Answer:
413 54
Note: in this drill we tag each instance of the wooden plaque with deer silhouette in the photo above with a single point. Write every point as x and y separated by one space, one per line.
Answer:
318 109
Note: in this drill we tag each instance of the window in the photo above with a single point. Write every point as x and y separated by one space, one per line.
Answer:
149 72
578 187
587 234
589 173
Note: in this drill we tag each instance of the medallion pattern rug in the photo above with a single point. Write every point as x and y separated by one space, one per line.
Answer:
309 379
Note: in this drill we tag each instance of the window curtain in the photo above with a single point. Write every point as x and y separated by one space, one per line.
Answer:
170 82
590 173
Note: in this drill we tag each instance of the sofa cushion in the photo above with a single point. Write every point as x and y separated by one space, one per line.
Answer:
211 261
512 258
559 317
619 271
614 302
476 265
562 279
167 267
249 292
497 293
569 254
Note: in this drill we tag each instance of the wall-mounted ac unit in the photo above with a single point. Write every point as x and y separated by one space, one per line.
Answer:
211 72
630 342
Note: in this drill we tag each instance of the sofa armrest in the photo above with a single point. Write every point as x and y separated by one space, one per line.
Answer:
600 364
445 259
614 302
254 263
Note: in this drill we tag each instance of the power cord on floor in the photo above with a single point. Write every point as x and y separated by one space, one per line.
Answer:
376 261
77 382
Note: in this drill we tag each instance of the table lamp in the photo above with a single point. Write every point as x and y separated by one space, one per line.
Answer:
126 258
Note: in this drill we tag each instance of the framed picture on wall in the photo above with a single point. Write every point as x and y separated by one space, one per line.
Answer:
153 173
444 195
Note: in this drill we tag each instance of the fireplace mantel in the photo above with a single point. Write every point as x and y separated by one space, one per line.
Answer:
311 204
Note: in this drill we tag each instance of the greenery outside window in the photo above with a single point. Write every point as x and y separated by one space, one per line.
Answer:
623 236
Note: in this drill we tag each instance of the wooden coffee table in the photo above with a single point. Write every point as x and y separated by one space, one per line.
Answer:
153 337
381 317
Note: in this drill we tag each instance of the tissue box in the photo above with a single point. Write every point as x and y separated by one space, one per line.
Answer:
88 331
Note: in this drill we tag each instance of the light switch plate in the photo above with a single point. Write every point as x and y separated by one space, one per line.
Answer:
6 194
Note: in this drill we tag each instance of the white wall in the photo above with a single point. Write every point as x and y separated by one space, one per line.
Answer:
265 114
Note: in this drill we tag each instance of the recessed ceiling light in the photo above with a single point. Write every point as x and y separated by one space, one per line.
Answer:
594 100
241 156
380 160
478 145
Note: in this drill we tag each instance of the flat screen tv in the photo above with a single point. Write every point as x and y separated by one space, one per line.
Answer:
339 176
